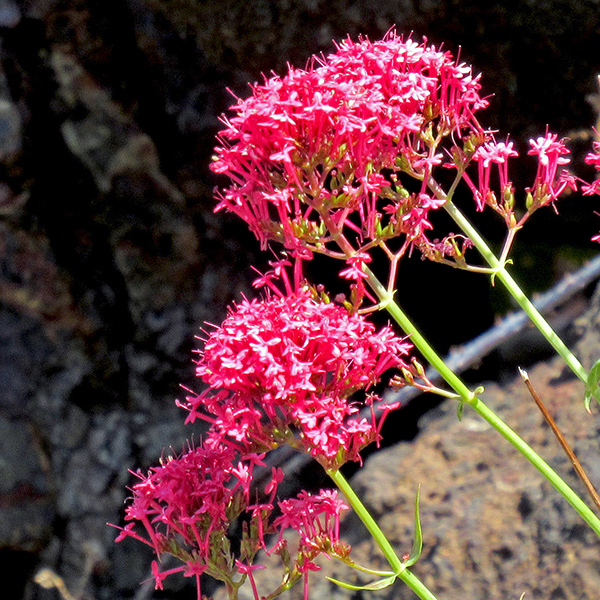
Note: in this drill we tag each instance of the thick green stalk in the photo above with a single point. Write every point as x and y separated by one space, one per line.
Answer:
469 398
398 568
516 292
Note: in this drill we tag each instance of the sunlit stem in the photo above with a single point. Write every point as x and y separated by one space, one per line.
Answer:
474 402
432 389
388 551
508 242
516 292
466 267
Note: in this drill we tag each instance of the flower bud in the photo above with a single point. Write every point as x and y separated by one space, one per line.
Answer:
528 200
508 196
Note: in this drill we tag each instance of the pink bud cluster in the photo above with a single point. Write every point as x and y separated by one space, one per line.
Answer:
321 148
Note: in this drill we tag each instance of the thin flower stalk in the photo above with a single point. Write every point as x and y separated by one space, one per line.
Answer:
499 271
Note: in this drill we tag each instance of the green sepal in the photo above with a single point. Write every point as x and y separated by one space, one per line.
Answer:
417 548
459 410
381 584
591 387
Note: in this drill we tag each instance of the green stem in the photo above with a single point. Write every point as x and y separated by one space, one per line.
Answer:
469 398
516 292
395 563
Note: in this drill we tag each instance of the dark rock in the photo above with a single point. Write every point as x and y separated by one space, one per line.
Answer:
10 13
27 503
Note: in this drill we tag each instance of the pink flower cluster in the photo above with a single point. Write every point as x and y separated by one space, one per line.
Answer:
320 149
347 148
316 518
549 183
485 156
284 369
187 505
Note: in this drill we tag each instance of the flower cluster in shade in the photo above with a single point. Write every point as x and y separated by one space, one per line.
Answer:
329 147
187 505
284 369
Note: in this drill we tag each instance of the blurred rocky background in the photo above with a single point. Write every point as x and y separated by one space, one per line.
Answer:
111 258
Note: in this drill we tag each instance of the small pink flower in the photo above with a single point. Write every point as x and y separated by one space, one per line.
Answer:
551 155
593 158
248 570
490 153
355 272
591 189
160 576
549 150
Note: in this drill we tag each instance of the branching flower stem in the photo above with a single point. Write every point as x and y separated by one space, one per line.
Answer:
399 569
476 404
499 270
516 292
466 396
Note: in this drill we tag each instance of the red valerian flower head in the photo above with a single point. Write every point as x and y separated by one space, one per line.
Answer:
190 497
283 369
186 506
323 147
